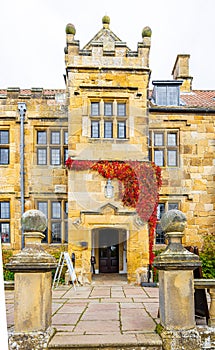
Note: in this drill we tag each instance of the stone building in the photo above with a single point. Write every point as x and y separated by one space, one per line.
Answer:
107 112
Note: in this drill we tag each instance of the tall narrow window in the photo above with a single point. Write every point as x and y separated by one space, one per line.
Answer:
121 129
95 128
5 221
108 129
108 109
56 213
95 109
4 147
121 109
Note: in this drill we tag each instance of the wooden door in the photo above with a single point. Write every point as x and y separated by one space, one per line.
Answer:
109 259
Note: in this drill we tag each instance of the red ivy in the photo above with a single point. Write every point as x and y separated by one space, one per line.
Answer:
141 183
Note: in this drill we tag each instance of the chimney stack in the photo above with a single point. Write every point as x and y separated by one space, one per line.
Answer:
181 72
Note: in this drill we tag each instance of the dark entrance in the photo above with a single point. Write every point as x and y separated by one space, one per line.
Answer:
108 251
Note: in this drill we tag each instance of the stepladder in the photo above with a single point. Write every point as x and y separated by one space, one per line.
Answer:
64 260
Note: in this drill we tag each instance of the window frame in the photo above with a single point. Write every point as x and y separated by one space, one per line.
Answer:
5 221
164 149
5 146
106 120
159 233
49 146
61 221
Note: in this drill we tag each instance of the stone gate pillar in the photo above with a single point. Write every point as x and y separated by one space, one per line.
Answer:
176 287
33 282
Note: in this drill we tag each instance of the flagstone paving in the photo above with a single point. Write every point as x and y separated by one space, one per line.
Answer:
101 314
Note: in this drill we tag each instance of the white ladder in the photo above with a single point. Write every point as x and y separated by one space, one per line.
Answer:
64 258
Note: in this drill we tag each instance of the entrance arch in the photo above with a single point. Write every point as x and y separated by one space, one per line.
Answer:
109 247
108 250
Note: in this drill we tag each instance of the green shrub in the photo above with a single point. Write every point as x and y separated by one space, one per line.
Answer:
6 255
207 256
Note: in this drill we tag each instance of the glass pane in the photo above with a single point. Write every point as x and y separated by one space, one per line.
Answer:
121 109
160 210
160 235
66 210
172 95
172 206
66 232
108 109
172 158
4 137
158 139
161 96
55 156
95 108
45 239
159 158
108 132
95 129
41 156
5 232
5 210
56 232
121 130
56 210
65 137
113 251
66 154
55 137
41 138
172 139
4 155
43 207
103 252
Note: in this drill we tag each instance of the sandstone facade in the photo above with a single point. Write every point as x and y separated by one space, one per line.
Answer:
106 112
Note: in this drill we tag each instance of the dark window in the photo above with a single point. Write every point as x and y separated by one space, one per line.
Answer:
108 129
4 147
5 222
162 208
56 213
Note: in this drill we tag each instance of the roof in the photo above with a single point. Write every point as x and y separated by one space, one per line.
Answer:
198 98
193 99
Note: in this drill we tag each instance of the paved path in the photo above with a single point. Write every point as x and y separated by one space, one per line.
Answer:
106 312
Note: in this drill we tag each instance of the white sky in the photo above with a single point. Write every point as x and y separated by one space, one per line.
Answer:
32 36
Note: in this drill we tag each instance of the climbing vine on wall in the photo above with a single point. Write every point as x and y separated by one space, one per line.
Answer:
141 183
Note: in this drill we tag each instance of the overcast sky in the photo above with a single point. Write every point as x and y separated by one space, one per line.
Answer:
32 36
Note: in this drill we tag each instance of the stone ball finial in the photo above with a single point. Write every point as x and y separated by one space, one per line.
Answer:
106 19
146 32
173 221
34 221
70 29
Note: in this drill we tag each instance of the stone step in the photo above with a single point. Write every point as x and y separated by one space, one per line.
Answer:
105 342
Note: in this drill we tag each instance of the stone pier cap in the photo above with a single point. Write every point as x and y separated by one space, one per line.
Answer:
175 256
33 257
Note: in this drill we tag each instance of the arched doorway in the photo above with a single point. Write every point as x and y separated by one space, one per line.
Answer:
109 246
108 250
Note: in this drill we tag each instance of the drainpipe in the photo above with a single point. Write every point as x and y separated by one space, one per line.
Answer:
22 111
